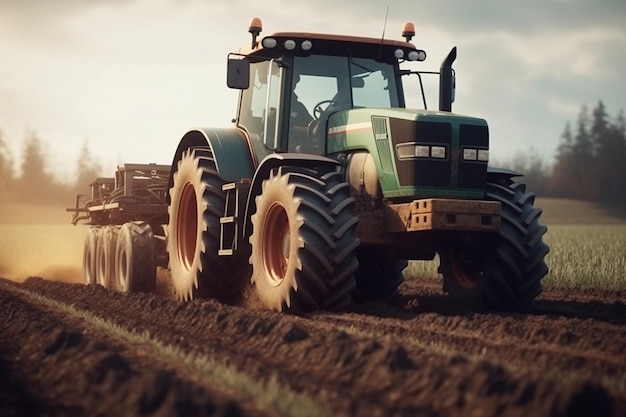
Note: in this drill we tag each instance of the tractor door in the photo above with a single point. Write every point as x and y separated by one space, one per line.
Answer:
260 105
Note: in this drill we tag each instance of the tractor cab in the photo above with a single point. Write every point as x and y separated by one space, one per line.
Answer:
291 83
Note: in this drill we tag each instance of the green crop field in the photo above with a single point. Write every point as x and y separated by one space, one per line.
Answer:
587 256
587 247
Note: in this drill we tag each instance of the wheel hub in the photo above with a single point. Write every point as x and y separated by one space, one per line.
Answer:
276 244
187 226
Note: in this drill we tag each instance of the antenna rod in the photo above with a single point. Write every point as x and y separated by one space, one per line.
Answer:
382 39
385 25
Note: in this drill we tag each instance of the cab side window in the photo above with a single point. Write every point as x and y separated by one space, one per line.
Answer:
259 102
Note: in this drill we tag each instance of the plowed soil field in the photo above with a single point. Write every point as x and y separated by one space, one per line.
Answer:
69 349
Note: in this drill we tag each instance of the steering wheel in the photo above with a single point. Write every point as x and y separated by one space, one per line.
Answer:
321 107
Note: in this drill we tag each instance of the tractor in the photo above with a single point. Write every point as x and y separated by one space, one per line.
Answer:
323 189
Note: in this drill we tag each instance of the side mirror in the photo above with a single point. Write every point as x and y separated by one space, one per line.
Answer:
238 72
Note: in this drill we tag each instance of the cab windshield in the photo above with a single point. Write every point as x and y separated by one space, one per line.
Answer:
344 82
320 85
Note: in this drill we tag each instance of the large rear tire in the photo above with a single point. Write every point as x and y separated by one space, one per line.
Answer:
105 256
303 241
501 272
89 256
135 258
197 202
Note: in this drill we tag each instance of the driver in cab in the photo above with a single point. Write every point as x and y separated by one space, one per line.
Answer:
299 121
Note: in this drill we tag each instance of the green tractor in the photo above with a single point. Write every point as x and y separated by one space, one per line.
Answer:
327 184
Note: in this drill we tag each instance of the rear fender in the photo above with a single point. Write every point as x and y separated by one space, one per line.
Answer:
271 162
230 150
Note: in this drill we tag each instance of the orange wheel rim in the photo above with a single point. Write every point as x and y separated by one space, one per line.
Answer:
461 275
275 244
187 226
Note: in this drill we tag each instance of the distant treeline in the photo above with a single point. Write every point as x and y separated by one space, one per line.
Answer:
591 159
36 180
589 164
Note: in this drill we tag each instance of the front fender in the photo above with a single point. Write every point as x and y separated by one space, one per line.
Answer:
230 150
493 173
273 161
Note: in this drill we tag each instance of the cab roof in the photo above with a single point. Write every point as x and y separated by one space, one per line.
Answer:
277 43
326 37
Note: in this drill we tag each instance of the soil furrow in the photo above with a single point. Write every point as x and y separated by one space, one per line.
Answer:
62 365
377 369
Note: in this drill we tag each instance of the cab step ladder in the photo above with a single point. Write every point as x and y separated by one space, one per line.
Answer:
236 194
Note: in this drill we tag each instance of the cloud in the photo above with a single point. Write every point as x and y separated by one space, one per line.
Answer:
131 75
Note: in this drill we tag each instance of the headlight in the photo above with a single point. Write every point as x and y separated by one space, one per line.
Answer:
414 150
307 45
422 151
418 55
481 155
406 151
438 152
469 154
269 43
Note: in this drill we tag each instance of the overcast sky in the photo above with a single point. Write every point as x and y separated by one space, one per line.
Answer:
130 77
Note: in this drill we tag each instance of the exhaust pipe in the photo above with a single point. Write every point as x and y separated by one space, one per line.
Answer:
446 82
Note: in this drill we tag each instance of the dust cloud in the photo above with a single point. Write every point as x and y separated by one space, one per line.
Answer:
39 241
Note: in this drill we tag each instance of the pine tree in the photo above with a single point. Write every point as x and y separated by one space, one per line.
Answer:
620 132
35 182
6 168
591 162
583 158
599 126
88 169
564 170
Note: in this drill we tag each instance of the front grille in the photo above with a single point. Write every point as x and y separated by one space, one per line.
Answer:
472 174
381 136
422 171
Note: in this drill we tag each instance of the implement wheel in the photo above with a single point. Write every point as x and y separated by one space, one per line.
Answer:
197 203
135 258
303 241
105 256
89 255
502 272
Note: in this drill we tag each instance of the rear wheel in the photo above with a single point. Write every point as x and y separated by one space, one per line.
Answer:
501 272
303 241
197 203
135 258
89 255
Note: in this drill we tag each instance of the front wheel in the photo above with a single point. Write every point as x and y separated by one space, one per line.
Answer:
303 241
501 272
